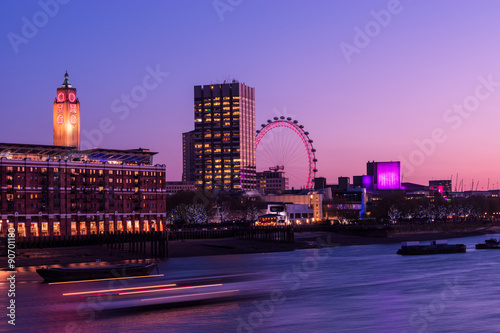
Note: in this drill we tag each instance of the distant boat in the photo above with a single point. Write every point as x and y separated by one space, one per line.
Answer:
92 273
435 247
491 243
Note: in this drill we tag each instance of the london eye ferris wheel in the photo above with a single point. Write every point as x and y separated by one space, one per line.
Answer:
283 144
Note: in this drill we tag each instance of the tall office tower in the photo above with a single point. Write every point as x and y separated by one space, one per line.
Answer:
224 118
188 170
66 112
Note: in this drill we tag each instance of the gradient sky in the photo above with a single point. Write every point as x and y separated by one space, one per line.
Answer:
396 89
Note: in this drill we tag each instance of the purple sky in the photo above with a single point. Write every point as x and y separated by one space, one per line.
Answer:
413 78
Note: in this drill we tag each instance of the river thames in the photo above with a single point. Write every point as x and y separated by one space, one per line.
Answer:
366 288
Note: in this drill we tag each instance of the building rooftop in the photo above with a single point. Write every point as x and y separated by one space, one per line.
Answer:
19 151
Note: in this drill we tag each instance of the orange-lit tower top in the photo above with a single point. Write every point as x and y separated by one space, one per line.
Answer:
66 116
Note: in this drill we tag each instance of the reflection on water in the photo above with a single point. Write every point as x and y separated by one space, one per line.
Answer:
343 289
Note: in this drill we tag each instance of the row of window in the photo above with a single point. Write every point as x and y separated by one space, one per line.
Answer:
34 205
301 215
84 228
88 171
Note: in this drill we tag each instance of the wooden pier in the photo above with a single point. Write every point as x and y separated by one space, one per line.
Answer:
153 243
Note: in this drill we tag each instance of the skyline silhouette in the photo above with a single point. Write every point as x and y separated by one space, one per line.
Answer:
408 81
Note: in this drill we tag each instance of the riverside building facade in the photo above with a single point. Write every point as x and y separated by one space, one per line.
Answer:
61 190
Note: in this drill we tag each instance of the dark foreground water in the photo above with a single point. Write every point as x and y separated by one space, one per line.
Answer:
340 289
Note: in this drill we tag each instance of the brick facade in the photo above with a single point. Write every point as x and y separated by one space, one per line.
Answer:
44 194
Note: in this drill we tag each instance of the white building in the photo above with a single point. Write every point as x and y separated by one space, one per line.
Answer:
312 199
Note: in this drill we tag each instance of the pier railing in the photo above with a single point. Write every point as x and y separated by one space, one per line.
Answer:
270 234
388 230
274 234
154 243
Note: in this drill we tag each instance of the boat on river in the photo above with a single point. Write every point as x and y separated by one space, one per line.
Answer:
435 247
491 243
62 274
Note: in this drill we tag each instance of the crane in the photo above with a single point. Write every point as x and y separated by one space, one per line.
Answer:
276 168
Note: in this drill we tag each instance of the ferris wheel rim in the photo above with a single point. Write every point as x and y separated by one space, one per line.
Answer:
303 135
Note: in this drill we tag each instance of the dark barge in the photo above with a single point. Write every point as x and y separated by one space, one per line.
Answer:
92 273
435 247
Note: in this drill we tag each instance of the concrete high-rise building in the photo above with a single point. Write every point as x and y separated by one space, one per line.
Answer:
66 113
224 136
188 169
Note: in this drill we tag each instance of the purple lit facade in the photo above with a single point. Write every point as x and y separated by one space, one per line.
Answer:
368 182
387 175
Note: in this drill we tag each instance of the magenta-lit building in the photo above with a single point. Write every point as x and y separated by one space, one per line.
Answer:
385 175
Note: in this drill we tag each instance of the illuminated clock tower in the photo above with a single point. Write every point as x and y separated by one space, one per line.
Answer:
66 116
